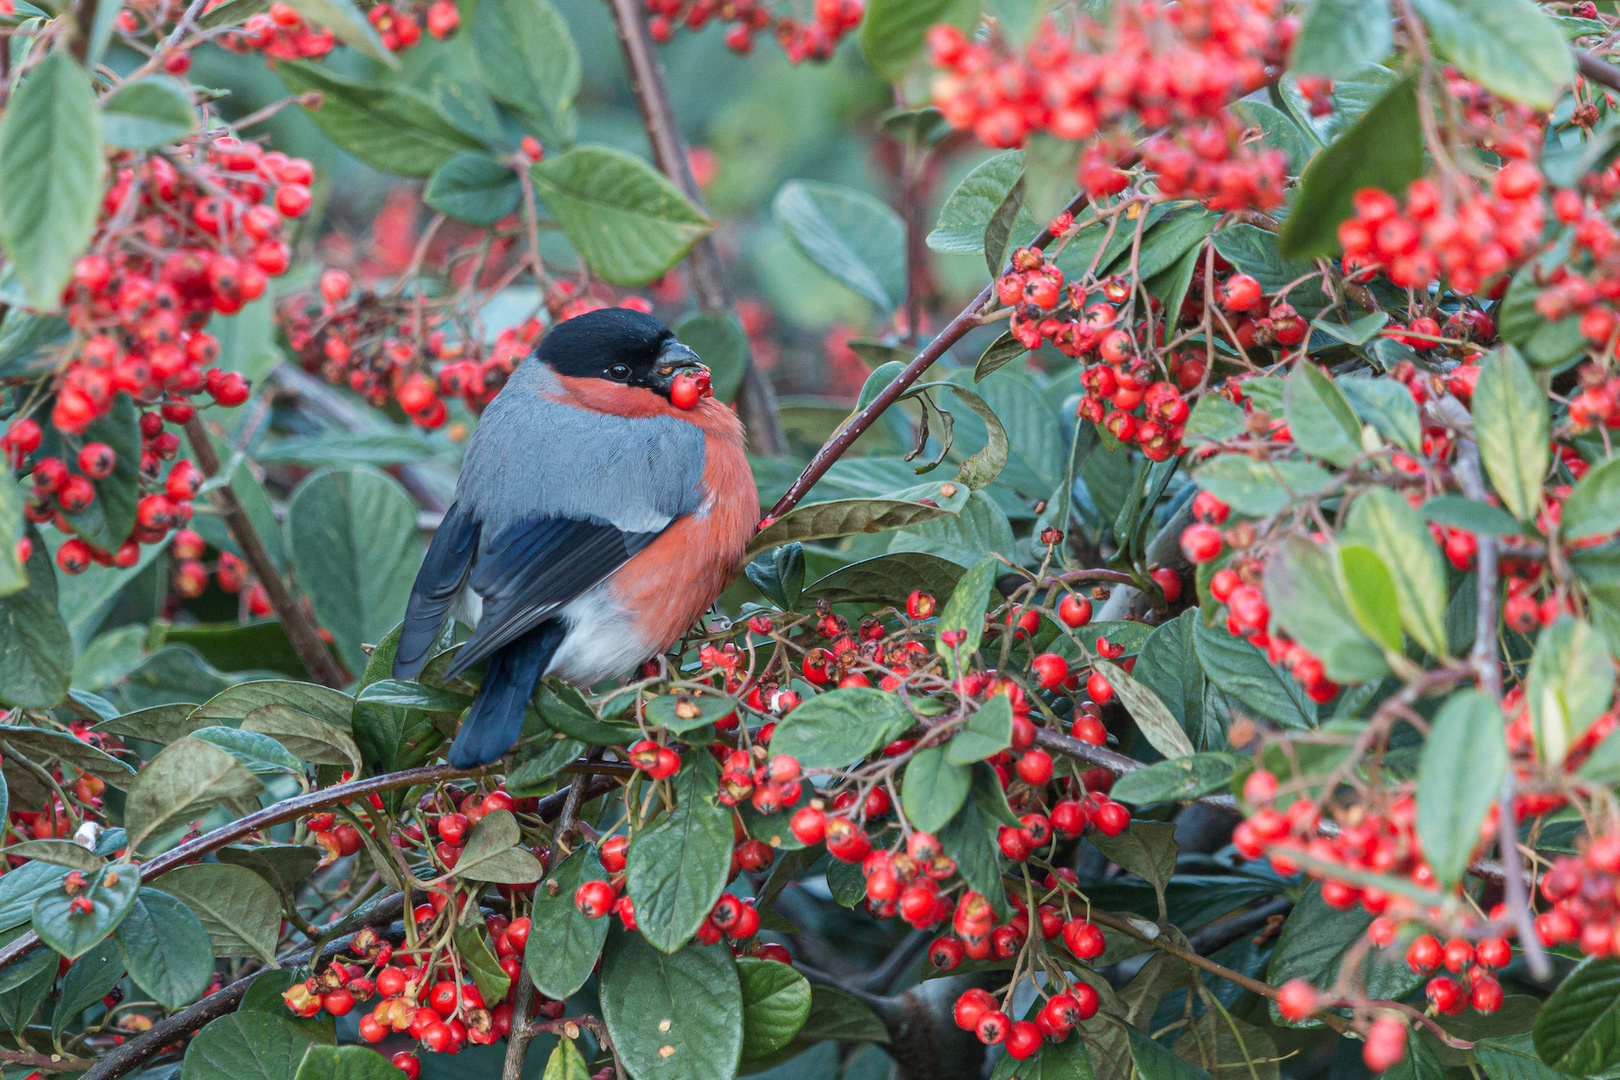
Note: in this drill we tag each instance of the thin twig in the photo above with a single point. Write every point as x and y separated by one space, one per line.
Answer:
756 400
835 447
306 642
1489 671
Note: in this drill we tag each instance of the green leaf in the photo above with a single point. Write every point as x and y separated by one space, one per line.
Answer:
1167 240
854 237
964 612
494 852
887 578
1242 671
565 1063
672 1017
1167 664
388 125
847 517
1180 780
22 887
1570 683
111 893
970 839
838 728
779 575
1513 1057
529 61
306 736
1511 424
987 732
344 1063
239 910
1313 944
776 1002
933 788
626 220
1049 168
89 980
1458 777
1066 1060
57 853
185 780
677 869
1461 512
36 653
1156 723
979 470
1000 352
979 530
722 345
565 709
1388 407
475 188
1214 419
231 13
354 546
1370 592
1578 1029
413 695
1229 1048
683 712
892 34
259 754
246 1046
1154 1062
283 866
1387 524
968 210
1510 47
166 949
486 971
50 171
563 943
13 527
1302 584
1339 37
1323 423
1383 149
1260 488
147 113
1593 508
1147 849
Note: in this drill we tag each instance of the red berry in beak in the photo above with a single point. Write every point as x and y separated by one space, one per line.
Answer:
689 388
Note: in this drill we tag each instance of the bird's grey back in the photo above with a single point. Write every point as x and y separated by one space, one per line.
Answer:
533 458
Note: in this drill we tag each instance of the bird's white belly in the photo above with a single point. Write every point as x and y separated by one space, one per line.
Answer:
601 643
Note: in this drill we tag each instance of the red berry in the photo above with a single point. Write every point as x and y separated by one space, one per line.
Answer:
1074 611
1423 955
1297 1000
1050 670
1201 543
1023 1040
594 898
97 460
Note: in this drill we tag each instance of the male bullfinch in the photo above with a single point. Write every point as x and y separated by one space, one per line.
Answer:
594 521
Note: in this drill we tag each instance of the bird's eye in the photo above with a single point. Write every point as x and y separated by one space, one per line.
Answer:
620 372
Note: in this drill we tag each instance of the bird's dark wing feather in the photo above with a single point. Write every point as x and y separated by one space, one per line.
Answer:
531 568
442 577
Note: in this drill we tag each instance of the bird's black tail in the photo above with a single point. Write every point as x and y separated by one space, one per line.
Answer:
496 717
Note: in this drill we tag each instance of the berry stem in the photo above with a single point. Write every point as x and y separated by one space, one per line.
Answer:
835 447
311 650
756 400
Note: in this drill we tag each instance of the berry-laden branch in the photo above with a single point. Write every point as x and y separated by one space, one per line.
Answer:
835 447
306 642
756 401
148 1044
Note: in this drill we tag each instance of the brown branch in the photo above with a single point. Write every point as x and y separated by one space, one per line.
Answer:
517 1043
845 437
306 642
756 400
45 1062
81 27
1599 71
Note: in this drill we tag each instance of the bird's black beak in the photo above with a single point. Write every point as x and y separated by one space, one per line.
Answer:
675 360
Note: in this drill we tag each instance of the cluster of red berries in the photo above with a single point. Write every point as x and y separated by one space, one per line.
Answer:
1165 63
977 1011
812 39
1585 910
182 236
436 1003
1212 161
282 34
1474 238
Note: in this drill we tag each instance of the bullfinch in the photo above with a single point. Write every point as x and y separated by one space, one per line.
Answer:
595 520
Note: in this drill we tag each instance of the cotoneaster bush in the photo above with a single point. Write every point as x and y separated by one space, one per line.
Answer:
1192 658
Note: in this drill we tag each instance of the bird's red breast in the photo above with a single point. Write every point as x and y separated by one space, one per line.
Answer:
674 579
